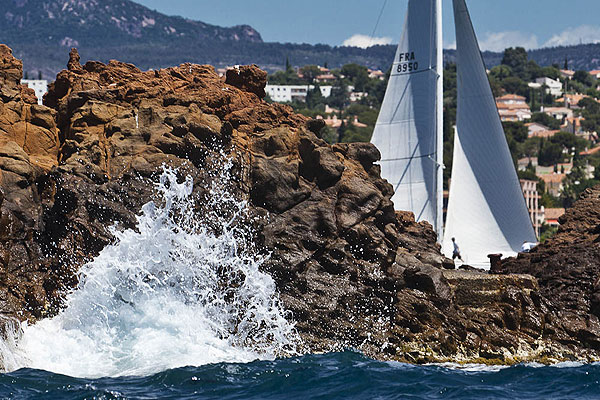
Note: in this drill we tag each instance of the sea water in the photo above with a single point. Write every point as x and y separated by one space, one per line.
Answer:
346 375
178 308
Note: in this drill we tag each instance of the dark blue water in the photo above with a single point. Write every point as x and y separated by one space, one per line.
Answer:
345 375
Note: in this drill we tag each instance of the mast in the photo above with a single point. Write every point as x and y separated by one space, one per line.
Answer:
408 132
440 123
487 212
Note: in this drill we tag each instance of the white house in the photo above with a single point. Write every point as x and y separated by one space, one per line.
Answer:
558 112
356 96
40 86
554 87
288 93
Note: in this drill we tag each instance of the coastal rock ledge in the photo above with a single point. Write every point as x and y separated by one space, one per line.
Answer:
351 271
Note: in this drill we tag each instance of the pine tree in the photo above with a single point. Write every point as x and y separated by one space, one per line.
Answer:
566 63
341 132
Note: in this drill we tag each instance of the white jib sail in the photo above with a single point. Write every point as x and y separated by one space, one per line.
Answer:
487 212
409 127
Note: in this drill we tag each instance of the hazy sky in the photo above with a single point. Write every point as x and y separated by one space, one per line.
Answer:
498 23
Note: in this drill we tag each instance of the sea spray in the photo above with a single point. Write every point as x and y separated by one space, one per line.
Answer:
182 289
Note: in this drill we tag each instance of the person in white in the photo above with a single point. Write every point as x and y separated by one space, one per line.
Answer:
527 246
456 251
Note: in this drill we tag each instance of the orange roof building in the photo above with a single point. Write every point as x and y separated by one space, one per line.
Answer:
590 151
544 134
554 183
513 107
511 99
551 216
572 99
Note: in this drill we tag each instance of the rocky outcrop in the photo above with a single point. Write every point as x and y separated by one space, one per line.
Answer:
29 148
568 270
352 271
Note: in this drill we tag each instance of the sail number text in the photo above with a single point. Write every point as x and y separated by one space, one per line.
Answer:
408 62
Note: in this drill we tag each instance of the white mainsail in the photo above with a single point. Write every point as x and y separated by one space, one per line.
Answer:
409 127
487 212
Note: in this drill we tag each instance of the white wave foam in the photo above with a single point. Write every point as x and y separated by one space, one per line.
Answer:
171 294
472 367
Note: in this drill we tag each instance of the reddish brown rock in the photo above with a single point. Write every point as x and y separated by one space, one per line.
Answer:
568 269
248 78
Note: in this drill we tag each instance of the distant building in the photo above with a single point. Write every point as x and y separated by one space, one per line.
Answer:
573 125
554 183
535 127
376 74
567 73
551 216
508 114
40 86
564 168
553 87
524 162
356 96
335 122
532 198
289 93
512 107
590 151
541 170
325 78
595 73
571 100
558 112
544 134
511 99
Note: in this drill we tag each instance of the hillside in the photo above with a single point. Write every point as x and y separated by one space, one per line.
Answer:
42 31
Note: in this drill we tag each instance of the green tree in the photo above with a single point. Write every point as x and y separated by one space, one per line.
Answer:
550 153
341 131
516 130
314 98
551 72
531 147
532 71
339 97
358 75
501 72
516 59
570 141
310 72
516 85
584 77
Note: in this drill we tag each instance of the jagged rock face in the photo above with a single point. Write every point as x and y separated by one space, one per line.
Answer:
352 271
29 148
568 269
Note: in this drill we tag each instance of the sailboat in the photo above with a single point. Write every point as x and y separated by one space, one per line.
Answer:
409 129
487 212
